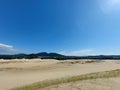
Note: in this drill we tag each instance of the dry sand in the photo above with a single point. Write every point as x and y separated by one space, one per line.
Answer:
17 73
95 84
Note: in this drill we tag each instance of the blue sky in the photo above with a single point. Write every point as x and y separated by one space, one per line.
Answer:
70 27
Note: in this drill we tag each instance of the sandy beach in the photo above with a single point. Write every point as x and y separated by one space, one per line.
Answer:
16 73
95 84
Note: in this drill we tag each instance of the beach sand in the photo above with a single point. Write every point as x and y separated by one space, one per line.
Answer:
16 73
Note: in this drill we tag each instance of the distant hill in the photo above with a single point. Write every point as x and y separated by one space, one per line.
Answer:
42 55
45 55
49 54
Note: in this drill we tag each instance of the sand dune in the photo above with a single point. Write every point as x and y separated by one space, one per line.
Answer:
22 72
95 84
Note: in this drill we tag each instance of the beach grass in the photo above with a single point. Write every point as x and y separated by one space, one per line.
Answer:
46 83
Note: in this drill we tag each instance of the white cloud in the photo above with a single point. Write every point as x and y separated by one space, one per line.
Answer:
7 49
78 52
108 6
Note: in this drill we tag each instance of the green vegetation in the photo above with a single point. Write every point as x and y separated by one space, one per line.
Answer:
42 84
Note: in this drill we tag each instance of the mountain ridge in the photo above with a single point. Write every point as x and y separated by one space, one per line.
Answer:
45 55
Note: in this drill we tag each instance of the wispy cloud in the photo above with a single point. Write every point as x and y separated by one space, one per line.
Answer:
78 52
109 5
7 49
